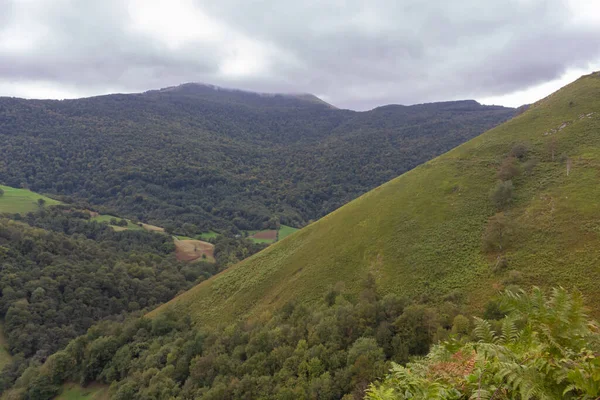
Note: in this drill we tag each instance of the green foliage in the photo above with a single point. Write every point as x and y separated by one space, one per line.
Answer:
233 163
519 151
62 273
546 348
498 233
5 357
509 169
326 352
502 194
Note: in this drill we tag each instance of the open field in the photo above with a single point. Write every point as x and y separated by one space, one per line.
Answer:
152 228
207 235
269 236
193 250
21 200
285 231
107 218
73 391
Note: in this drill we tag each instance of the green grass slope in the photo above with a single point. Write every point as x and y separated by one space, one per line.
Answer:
21 200
421 233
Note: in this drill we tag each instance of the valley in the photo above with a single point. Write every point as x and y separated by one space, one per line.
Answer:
225 308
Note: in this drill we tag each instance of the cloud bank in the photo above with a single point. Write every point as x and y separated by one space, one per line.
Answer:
354 54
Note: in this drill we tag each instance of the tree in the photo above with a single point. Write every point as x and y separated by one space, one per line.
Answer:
1 192
41 203
501 196
498 233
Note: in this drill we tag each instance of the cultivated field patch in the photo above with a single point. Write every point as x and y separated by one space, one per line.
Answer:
152 228
194 250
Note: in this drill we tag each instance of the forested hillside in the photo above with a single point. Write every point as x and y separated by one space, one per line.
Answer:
414 262
219 158
60 273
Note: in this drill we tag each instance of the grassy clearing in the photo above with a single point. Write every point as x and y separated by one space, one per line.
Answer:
207 235
182 237
152 228
21 200
107 218
5 356
421 233
194 250
73 391
285 231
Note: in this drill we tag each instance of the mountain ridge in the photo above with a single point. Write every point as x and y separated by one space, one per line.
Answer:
232 162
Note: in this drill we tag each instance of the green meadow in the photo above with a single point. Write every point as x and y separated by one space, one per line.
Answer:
22 200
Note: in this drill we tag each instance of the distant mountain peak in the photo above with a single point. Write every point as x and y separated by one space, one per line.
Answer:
206 89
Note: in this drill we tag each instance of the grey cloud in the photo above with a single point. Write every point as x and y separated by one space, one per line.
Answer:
359 54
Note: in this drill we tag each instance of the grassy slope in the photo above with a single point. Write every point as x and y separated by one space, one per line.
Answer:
421 233
21 200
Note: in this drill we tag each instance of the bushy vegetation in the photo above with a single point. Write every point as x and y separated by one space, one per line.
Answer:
546 347
330 351
60 273
236 162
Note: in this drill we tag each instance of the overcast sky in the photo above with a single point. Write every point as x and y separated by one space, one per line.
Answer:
353 53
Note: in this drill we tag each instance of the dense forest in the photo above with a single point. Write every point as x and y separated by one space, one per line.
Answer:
60 273
330 351
219 159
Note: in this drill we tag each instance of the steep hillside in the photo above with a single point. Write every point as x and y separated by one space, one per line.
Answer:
448 227
222 159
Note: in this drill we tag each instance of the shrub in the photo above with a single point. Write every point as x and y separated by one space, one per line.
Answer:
502 194
519 151
529 165
508 169
498 233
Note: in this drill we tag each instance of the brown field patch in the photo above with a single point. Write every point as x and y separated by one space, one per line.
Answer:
268 235
152 228
192 250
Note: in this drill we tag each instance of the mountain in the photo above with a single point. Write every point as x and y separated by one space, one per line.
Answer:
223 159
326 311
516 205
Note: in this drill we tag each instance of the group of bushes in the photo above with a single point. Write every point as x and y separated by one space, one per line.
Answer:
328 351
